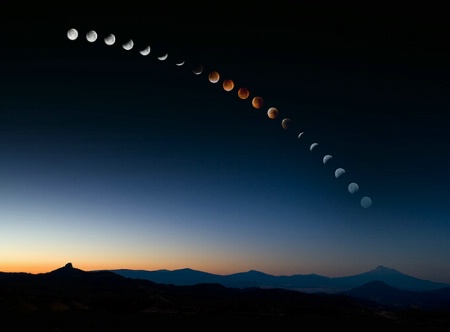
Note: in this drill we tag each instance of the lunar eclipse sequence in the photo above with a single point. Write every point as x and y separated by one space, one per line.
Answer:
228 85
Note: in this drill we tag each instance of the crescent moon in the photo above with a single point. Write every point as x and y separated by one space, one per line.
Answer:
180 63
110 39
145 51
72 34
313 146
326 158
300 135
339 172
128 46
198 69
163 57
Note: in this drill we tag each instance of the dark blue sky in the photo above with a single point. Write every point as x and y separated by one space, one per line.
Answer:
111 159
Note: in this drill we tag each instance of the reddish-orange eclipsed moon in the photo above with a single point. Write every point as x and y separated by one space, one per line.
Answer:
243 93
228 85
272 113
257 102
214 77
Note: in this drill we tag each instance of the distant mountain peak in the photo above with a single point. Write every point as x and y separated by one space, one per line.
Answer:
68 266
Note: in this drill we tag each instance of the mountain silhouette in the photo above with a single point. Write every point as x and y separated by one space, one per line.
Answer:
301 282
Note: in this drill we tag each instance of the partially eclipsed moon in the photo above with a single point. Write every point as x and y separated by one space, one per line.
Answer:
128 46
91 36
366 202
353 188
72 34
163 57
110 39
198 69
339 172
257 102
286 123
300 135
326 158
214 77
228 85
313 146
180 63
145 51
243 93
272 113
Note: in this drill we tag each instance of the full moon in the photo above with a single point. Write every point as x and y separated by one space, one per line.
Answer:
214 77
366 202
243 93
72 34
228 85
257 102
91 36
353 188
272 113
110 39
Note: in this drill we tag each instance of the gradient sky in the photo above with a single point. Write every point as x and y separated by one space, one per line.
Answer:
110 159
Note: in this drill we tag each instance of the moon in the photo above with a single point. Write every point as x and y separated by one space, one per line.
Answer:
214 77
110 39
243 93
257 102
163 57
300 135
339 172
180 63
91 36
366 202
353 188
286 123
145 51
228 85
72 34
198 69
129 45
272 113
313 146
326 158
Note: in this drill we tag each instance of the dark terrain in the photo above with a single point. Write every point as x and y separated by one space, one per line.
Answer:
69 299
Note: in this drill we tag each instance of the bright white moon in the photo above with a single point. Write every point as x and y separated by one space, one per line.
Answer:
72 34
339 172
91 36
110 39
128 46
145 51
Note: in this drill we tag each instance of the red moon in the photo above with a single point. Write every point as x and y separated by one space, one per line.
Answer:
272 113
286 123
214 77
257 102
243 93
228 85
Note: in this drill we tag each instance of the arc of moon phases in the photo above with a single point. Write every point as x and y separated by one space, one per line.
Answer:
129 45
353 188
145 51
272 113
72 34
326 158
163 57
180 63
198 69
243 93
300 135
91 36
214 77
110 39
366 202
339 172
257 102
313 146
228 85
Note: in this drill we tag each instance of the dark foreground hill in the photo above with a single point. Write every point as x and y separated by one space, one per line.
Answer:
69 299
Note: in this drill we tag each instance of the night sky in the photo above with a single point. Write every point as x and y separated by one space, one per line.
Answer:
111 159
